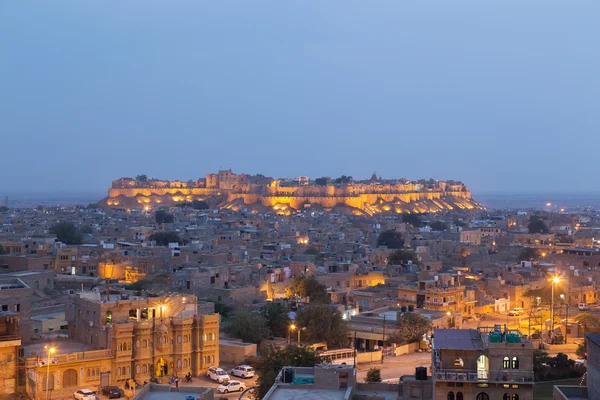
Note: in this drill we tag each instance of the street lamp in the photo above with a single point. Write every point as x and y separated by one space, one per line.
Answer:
292 327
51 350
555 281
300 330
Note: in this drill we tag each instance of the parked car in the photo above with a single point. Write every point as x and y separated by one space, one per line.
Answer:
84 394
513 313
243 371
520 310
232 386
217 374
583 306
113 392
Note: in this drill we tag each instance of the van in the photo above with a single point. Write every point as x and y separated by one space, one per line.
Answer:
583 306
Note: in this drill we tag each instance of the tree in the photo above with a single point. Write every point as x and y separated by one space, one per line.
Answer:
343 179
67 233
164 238
323 324
308 286
199 205
537 225
3 250
312 250
527 254
139 285
321 181
247 325
412 219
274 359
401 257
438 226
581 352
458 222
277 318
3 209
410 329
86 229
163 217
390 239
141 178
373 375
587 320
223 309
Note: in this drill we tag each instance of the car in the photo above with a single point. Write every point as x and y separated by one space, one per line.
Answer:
243 371
217 374
513 313
232 386
583 306
84 394
520 310
113 392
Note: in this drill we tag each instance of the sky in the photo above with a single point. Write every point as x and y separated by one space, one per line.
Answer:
503 95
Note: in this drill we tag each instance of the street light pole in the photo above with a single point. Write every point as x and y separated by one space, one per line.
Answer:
50 351
300 330
555 280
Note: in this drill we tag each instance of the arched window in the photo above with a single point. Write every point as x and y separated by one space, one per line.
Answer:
119 371
160 340
138 369
185 338
165 340
515 396
144 369
459 396
212 358
483 396
506 396
137 344
506 363
97 371
88 372
450 395
178 338
204 337
144 343
204 360
128 370
515 363
185 363
179 363
120 346
129 346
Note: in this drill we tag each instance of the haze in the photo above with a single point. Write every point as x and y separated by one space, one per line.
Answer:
501 95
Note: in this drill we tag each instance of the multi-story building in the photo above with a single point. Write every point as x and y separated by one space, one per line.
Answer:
10 340
482 364
16 296
130 338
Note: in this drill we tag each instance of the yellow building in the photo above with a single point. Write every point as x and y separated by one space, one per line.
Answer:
10 341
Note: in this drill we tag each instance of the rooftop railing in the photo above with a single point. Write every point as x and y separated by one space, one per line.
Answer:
479 376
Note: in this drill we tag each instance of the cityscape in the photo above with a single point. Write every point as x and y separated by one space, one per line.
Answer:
300 200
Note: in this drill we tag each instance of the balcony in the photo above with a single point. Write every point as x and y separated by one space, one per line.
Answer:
68 358
465 375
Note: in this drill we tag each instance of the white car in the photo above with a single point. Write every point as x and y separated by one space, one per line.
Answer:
84 394
242 371
217 374
232 386
513 313
583 306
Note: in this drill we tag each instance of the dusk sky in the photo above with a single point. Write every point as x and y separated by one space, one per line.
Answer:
503 95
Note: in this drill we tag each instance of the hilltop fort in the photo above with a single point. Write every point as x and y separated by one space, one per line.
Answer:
260 193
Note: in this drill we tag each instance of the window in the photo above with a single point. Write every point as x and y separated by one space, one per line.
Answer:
160 340
483 396
129 346
459 396
128 370
185 339
185 363
515 396
178 338
137 344
144 343
137 369
450 395
506 396
204 337
506 363
179 364
144 369
119 371
212 358
515 363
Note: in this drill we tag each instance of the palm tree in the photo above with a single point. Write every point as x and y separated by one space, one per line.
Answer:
587 320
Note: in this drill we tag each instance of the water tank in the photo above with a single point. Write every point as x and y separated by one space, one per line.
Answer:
288 375
421 373
403 309
495 338
411 308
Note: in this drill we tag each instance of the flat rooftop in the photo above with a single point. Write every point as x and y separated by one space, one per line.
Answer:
307 394
62 347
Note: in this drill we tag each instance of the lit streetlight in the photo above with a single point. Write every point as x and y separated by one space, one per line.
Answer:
292 327
555 280
50 350
300 330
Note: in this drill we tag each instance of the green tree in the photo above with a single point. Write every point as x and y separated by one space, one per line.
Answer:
588 321
401 257
412 219
537 225
164 238
67 233
321 181
410 329
390 239
308 286
324 324
373 375
247 325
343 179
438 226
581 352
86 229
163 217
141 178
277 318
460 223
274 359
199 205
223 309
527 254
3 250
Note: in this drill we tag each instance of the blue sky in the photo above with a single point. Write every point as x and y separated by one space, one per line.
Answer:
503 95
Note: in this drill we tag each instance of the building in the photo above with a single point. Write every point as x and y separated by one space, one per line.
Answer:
16 296
129 337
10 340
592 388
482 364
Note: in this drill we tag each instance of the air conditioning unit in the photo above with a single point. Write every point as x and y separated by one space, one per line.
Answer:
473 376
461 376
451 376
440 375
